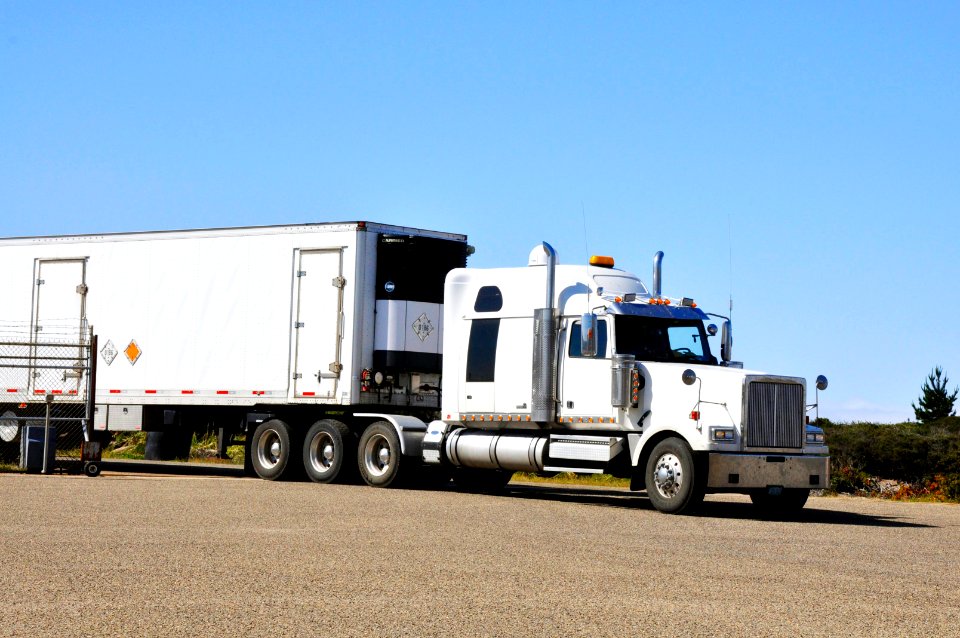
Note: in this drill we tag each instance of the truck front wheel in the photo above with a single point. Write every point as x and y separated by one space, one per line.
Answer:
270 449
671 477
329 452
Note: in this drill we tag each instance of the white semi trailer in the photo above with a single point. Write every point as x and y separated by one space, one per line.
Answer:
365 349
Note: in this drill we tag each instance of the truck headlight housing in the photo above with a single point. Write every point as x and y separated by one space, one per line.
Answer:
814 435
723 434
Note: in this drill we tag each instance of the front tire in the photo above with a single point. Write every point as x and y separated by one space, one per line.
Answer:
379 456
671 477
329 452
270 450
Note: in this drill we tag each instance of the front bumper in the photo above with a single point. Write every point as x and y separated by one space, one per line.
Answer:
747 471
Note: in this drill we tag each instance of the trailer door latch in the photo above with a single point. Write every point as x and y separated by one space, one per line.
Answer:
339 282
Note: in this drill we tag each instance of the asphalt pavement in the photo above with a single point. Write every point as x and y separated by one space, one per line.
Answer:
131 554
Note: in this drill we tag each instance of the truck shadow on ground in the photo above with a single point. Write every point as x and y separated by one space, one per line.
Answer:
710 509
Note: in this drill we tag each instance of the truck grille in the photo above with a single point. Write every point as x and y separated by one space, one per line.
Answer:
774 415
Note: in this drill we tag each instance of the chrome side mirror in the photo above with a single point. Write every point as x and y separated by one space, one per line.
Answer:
822 382
588 335
712 330
726 341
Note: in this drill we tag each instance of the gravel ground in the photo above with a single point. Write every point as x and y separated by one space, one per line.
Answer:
141 555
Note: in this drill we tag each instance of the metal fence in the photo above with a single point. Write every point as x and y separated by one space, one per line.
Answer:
46 392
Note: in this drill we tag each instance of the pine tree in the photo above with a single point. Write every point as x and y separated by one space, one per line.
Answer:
935 402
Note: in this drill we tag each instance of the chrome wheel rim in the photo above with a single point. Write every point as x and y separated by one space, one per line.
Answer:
269 449
377 455
668 475
322 452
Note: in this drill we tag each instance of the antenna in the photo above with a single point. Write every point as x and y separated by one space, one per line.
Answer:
730 249
586 247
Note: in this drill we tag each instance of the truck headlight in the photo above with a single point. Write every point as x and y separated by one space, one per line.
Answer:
723 435
814 435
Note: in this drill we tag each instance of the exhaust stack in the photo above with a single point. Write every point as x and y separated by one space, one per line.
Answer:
543 407
657 261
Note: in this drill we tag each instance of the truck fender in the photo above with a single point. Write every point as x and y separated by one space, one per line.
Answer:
409 429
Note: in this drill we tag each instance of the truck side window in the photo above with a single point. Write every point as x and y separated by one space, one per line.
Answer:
489 299
601 340
482 351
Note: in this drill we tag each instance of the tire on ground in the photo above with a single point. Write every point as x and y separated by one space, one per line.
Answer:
672 479
329 452
379 457
271 450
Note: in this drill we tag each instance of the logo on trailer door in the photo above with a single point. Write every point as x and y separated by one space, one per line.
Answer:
422 327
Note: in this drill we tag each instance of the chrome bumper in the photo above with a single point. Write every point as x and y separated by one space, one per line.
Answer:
745 471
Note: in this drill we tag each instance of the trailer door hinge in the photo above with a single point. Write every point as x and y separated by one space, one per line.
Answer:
297 375
301 273
336 367
40 282
339 282
82 289
299 324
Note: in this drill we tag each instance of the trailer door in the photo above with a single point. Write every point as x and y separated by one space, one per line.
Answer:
318 326
59 309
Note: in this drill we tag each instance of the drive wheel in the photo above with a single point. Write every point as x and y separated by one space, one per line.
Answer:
672 480
789 500
329 452
270 450
379 455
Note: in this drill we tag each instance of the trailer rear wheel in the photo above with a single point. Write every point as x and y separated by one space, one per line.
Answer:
379 455
329 452
270 450
672 480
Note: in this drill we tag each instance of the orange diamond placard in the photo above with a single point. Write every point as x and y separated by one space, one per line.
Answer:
133 352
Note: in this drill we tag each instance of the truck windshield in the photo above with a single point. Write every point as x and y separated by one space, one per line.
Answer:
664 340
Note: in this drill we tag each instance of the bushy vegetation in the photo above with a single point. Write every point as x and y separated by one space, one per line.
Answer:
900 461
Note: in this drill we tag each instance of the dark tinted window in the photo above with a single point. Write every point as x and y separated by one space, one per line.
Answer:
489 299
482 351
667 340
601 340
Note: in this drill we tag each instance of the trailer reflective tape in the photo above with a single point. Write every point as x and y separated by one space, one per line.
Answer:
149 391
39 391
114 391
186 391
309 394
56 391
72 392
12 390
258 393
223 391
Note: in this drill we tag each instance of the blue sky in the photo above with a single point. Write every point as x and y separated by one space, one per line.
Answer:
815 143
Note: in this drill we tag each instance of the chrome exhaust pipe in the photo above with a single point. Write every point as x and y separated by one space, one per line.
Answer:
657 261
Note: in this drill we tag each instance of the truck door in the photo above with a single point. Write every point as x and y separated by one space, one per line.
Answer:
318 326
59 308
585 381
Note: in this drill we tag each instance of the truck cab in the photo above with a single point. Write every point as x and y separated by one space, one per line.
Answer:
583 368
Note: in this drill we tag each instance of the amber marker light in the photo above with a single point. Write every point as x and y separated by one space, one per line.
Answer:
602 261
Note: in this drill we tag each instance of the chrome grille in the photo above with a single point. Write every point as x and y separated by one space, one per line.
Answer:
774 417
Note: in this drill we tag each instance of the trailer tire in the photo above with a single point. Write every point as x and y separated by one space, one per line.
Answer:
790 500
379 457
471 479
270 450
673 483
91 468
329 452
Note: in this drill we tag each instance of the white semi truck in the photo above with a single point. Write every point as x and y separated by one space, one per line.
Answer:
361 349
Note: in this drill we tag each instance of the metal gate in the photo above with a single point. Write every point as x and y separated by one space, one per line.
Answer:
46 395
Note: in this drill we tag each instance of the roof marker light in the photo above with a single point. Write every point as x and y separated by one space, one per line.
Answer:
602 261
